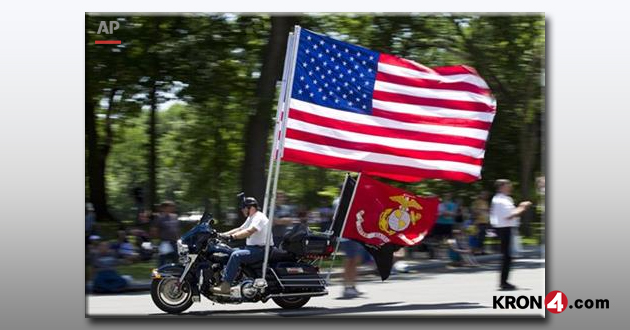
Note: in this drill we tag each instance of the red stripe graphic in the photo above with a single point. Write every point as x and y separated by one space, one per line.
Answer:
440 103
433 84
445 121
395 172
445 70
107 42
383 131
378 148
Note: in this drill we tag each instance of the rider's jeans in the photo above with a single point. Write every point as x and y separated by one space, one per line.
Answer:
248 254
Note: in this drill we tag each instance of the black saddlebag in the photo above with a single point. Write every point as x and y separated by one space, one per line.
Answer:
295 277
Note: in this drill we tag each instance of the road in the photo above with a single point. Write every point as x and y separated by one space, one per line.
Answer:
442 292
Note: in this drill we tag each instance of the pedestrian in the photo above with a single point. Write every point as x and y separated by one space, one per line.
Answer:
503 217
90 222
446 218
105 277
167 228
353 258
481 215
459 250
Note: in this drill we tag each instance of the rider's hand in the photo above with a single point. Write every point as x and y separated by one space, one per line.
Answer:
226 237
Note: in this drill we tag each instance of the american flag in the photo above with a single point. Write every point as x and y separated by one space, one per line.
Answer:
355 109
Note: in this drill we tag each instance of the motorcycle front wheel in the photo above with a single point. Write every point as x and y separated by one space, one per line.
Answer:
171 297
291 302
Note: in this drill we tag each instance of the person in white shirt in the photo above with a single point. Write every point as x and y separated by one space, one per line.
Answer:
504 216
255 229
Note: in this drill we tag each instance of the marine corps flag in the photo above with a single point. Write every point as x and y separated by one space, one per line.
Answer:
384 218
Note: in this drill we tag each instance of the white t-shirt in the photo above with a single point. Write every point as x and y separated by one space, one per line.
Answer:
500 209
259 221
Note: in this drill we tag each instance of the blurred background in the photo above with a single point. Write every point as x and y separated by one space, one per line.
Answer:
182 110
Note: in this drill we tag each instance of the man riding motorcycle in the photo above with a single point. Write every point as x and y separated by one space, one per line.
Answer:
255 230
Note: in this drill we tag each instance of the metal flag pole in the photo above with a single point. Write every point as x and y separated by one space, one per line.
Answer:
329 231
287 97
273 155
345 220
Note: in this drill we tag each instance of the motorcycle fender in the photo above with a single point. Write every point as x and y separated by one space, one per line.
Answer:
167 270
173 270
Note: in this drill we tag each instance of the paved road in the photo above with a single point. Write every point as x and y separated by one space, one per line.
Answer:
437 293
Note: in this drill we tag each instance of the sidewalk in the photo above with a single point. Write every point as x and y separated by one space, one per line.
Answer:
411 266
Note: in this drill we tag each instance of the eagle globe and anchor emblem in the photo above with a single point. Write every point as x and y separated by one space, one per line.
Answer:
395 220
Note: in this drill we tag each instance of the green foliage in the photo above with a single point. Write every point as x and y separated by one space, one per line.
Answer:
211 65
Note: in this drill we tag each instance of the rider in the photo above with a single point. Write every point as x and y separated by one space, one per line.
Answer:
255 230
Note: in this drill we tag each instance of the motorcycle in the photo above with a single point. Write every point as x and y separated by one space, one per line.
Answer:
292 277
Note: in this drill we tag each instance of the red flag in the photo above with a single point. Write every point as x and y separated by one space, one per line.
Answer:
380 214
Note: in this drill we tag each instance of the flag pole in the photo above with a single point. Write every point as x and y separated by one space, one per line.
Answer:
273 155
345 220
285 111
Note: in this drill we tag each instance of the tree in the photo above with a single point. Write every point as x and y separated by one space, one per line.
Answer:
258 123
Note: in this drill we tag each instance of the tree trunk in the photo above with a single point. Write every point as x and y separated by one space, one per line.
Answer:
258 124
95 164
151 195
153 99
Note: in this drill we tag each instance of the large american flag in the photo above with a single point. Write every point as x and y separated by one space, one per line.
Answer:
355 109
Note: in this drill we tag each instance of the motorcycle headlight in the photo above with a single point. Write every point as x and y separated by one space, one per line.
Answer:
182 249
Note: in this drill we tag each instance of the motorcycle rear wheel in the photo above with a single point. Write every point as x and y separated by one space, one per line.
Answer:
167 297
291 302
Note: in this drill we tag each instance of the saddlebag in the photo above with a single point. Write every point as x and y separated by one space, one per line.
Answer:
303 243
298 277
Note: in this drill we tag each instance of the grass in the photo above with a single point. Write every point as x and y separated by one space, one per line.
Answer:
138 270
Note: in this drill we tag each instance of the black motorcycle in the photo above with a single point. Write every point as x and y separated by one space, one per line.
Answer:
291 277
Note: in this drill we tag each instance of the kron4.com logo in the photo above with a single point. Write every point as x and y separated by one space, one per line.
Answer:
556 302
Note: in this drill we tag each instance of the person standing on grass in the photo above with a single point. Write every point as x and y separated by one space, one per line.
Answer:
504 216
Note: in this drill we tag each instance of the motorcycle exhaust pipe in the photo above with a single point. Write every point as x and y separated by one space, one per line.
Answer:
301 294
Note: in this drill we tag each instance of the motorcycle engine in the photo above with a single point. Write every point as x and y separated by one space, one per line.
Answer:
248 290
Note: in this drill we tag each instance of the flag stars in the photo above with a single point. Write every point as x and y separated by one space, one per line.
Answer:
350 103
324 97
311 94
312 60
302 78
300 91
336 100
307 51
